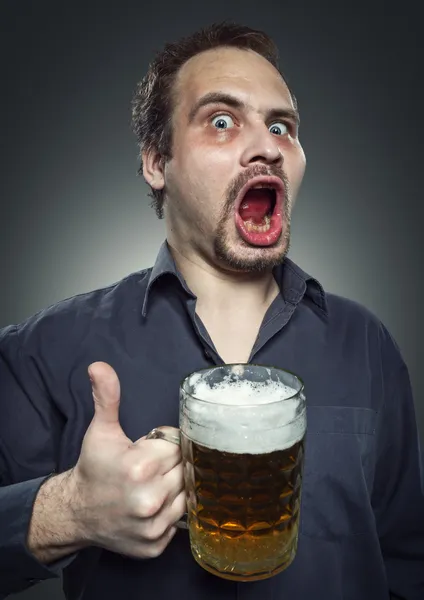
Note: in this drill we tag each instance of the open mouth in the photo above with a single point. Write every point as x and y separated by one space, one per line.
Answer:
258 214
257 208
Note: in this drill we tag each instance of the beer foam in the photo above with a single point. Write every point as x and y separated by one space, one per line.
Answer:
242 392
242 416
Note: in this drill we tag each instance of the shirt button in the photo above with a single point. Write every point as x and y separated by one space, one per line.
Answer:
207 353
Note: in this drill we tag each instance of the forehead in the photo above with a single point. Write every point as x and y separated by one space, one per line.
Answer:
242 72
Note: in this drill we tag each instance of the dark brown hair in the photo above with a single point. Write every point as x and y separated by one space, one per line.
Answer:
152 104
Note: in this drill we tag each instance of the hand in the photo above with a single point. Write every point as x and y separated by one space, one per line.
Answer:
127 496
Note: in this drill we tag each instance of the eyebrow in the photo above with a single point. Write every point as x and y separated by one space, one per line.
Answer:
234 102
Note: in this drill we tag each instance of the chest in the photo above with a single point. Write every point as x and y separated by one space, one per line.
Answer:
152 362
233 335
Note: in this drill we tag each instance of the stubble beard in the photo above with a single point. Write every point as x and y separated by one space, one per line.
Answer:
236 254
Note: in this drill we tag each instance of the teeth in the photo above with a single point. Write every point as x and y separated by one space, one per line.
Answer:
259 228
261 186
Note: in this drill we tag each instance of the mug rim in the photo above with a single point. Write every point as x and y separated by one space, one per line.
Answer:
229 365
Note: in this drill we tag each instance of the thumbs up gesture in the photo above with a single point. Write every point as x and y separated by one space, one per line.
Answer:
128 495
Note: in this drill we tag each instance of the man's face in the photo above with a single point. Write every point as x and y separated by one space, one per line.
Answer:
219 146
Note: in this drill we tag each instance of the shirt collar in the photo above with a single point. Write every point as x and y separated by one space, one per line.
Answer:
164 264
293 281
296 283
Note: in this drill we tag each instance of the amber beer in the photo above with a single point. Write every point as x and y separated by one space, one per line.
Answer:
242 445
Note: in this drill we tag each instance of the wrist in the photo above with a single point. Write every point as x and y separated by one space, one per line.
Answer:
54 531
77 511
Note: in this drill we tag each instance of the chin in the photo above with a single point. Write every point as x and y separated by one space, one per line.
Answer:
240 256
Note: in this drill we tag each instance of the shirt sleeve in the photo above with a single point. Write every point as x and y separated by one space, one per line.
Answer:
30 428
398 494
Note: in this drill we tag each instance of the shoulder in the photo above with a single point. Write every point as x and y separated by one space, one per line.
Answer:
68 320
342 309
352 321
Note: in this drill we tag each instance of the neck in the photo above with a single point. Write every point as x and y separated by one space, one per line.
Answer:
219 290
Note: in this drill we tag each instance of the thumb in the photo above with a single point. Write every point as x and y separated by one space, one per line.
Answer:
106 394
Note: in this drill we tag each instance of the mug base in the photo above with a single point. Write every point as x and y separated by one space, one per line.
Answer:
246 572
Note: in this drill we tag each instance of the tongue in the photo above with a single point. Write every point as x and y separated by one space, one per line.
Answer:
255 205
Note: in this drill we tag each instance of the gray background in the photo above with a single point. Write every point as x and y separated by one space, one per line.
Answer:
74 216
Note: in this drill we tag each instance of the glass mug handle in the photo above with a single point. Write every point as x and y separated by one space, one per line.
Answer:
161 434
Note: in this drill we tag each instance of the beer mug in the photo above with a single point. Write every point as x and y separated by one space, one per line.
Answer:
242 433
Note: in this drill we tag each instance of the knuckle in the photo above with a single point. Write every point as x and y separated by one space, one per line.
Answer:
149 467
154 531
170 449
148 505
153 550
175 450
142 470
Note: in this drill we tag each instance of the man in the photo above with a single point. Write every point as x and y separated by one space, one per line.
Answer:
218 132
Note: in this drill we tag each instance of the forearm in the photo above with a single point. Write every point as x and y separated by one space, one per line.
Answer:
54 531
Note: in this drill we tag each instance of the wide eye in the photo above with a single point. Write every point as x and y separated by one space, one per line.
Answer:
222 121
279 128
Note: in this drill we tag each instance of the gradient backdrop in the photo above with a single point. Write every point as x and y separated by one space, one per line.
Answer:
75 217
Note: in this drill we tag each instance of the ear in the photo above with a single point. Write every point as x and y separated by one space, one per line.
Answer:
153 169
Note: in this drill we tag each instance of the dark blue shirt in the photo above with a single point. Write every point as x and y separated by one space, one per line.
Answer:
362 512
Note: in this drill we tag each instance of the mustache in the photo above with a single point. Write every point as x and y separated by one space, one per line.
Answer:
254 171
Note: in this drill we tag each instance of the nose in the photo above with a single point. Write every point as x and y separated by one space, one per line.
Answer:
262 147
